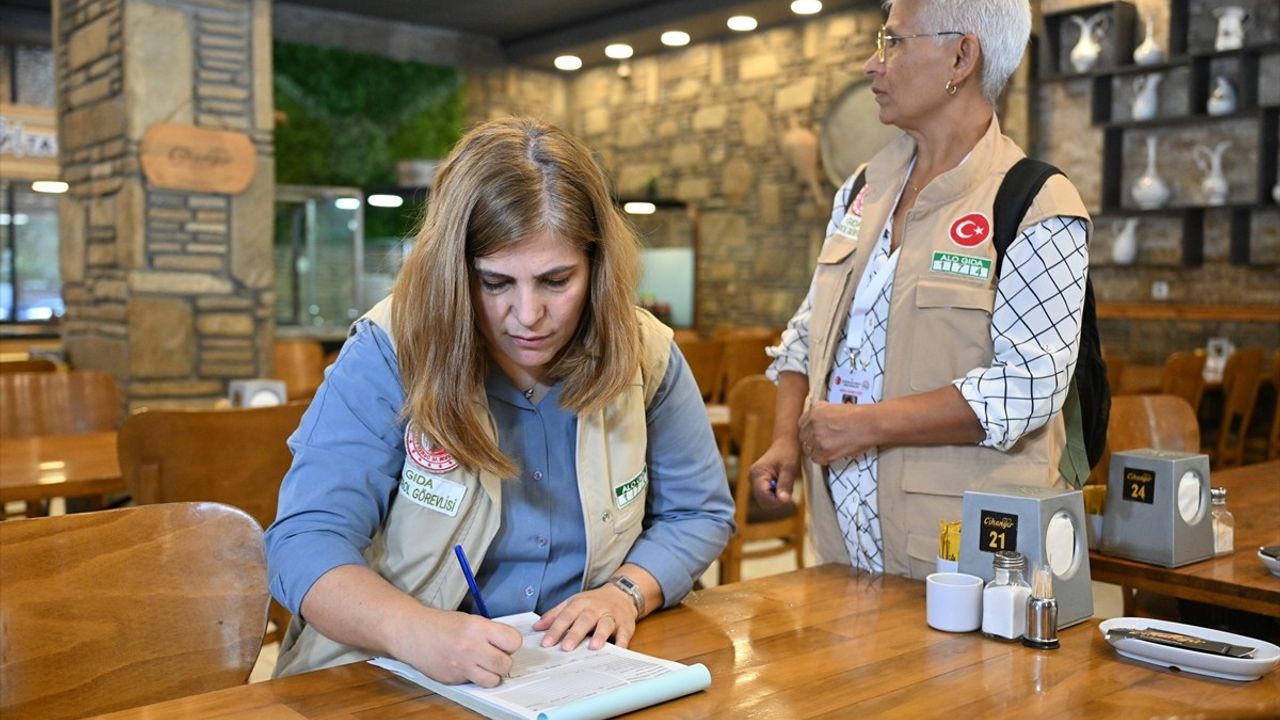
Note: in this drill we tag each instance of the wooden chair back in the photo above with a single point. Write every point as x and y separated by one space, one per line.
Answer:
1183 375
233 456
745 356
1240 381
236 456
300 364
32 365
114 609
706 361
752 402
1164 422
684 335
70 403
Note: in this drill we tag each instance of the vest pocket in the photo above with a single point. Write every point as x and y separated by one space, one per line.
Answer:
836 248
951 332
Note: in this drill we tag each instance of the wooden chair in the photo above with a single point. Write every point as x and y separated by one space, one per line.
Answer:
1164 422
745 356
300 364
70 403
114 609
32 365
684 335
1183 375
751 408
706 361
1240 381
232 456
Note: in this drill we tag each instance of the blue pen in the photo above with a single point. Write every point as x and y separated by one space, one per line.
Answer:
471 580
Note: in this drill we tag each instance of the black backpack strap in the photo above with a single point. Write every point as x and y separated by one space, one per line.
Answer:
859 181
1018 190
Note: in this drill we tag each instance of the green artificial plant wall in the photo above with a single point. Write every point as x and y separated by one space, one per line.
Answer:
349 117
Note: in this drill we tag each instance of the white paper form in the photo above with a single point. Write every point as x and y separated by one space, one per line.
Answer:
550 684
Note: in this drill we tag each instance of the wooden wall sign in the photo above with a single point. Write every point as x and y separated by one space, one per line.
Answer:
28 142
185 157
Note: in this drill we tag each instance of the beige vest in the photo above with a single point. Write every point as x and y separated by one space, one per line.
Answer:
438 506
939 329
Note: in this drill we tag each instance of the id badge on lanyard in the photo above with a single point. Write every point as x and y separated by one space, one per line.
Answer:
853 384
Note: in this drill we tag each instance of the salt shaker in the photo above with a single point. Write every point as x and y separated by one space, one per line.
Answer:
1004 600
1224 523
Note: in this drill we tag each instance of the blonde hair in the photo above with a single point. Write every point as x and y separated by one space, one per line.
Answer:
505 181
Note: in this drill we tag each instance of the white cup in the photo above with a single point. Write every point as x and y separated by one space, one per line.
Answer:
953 601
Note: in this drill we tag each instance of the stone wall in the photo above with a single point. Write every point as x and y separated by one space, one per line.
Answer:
706 124
168 290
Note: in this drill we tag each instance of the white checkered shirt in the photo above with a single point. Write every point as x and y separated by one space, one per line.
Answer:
1035 331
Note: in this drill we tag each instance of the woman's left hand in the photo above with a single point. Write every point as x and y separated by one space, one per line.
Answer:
830 431
601 613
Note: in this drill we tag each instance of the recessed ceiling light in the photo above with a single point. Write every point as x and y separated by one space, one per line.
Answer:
49 186
568 62
640 208
742 23
675 38
618 51
347 203
806 7
386 201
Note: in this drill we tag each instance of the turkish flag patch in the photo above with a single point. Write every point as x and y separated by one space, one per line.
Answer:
971 230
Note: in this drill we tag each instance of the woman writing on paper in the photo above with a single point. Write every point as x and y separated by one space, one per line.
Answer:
508 398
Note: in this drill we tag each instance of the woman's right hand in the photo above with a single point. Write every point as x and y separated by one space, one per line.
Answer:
454 647
773 476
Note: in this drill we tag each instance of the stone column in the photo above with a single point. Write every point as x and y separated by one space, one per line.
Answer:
167 284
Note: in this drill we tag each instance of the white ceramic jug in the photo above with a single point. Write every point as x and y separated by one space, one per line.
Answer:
1088 47
1222 101
1149 52
1145 100
1209 160
1150 190
1124 250
1231 19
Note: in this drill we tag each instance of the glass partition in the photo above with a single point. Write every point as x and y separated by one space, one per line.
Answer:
319 256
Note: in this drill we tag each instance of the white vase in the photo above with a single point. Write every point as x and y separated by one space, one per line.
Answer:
1145 100
1124 250
1222 101
1088 47
1231 19
1150 190
1209 160
1149 52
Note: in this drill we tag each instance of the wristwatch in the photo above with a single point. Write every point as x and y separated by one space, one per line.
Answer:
628 586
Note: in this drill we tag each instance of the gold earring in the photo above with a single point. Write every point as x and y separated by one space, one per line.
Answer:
952 88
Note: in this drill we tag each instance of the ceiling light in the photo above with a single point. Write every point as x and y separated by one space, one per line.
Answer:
568 62
806 7
618 51
49 186
640 208
347 203
742 23
386 201
675 38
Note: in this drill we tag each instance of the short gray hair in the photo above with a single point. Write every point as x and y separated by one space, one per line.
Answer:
1003 28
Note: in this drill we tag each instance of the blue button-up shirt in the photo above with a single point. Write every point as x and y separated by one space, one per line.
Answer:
349 450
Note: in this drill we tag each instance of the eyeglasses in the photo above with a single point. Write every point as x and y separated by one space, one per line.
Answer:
883 41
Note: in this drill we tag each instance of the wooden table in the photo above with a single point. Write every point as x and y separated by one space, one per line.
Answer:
49 466
819 642
1238 580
